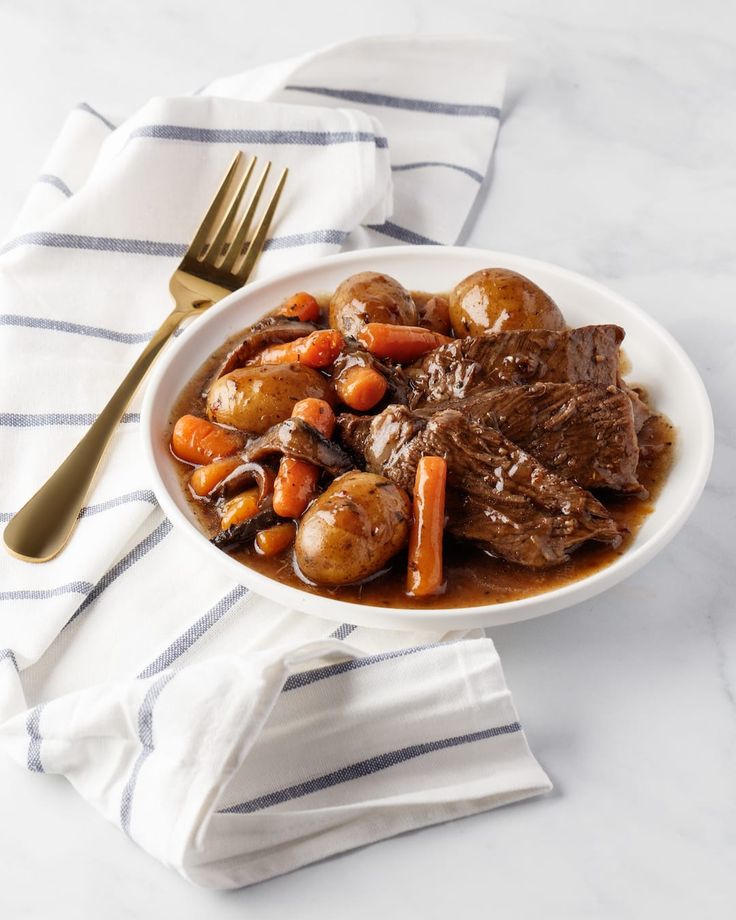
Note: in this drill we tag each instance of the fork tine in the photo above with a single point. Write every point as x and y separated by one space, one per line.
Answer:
197 244
259 238
234 249
215 247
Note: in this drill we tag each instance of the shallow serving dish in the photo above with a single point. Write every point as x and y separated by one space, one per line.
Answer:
657 362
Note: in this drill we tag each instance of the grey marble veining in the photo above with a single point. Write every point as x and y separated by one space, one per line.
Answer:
617 158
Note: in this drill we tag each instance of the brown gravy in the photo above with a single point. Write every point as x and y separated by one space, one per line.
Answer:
473 577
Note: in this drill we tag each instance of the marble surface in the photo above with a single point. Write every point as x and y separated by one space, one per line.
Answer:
617 158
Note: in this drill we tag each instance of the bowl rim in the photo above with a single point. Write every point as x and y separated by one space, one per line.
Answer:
453 617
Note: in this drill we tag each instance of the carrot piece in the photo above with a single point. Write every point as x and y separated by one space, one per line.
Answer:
294 487
273 541
239 509
297 479
318 349
399 343
317 413
361 387
301 306
204 479
195 440
424 573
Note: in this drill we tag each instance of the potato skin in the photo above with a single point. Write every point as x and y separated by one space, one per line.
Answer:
497 299
370 297
255 398
352 530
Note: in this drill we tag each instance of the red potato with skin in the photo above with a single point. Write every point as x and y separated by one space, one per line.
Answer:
257 397
370 297
498 300
353 529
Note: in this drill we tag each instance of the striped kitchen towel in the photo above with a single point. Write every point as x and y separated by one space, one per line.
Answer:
231 738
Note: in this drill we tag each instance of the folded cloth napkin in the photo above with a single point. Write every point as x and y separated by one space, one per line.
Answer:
233 739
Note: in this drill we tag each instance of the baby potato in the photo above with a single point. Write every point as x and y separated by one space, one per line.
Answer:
370 297
255 398
352 530
497 299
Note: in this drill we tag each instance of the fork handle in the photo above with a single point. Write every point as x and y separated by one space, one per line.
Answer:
44 524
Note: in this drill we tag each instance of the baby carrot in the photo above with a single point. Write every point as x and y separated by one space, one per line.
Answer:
317 413
424 574
239 509
273 541
297 479
301 306
196 440
318 349
294 486
205 478
399 343
360 387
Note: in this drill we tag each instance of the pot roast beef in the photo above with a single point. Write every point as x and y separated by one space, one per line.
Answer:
586 355
579 431
497 494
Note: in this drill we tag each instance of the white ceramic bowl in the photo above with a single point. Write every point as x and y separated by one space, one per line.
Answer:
658 363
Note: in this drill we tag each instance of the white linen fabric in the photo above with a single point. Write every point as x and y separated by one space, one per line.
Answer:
233 739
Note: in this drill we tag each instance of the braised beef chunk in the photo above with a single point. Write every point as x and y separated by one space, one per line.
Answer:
498 495
375 437
580 431
639 406
585 355
352 432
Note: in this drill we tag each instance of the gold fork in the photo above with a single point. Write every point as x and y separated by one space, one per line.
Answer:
207 273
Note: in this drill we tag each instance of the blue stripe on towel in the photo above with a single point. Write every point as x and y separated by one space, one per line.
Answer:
291 240
303 678
95 243
33 728
154 247
403 102
140 495
59 325
342 632
145 735
130 559
58 183
424 164
365 768
195 632
46 419
402 233
42 594
86 107
7 654
254 136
